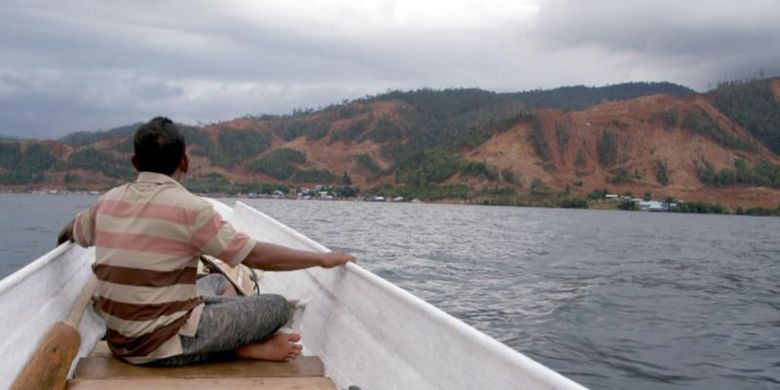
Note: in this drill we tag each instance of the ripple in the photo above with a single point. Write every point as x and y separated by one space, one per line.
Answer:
613 300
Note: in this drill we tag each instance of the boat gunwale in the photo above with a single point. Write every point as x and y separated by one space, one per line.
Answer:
474 335
30 269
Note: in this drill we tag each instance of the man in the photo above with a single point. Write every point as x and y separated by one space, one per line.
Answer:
149 235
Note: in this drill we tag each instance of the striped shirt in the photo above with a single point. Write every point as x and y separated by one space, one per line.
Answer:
148 237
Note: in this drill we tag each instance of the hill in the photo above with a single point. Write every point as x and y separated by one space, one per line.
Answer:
537 147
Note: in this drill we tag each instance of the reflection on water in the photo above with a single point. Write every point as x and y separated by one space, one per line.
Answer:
614 300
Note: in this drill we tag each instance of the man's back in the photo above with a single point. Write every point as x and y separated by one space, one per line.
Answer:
148 236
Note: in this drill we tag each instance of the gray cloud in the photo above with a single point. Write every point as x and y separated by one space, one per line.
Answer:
696 42
85 65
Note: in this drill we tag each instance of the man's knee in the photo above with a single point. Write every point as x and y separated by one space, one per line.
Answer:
279 306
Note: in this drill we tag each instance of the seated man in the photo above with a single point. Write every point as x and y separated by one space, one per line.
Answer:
149 235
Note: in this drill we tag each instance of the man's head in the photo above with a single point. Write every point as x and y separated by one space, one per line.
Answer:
159 147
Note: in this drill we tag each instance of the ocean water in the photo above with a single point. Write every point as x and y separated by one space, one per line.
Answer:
613 300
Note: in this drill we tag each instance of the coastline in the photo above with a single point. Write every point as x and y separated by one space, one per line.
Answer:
613 203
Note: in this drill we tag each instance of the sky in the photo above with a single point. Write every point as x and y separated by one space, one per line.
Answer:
86 65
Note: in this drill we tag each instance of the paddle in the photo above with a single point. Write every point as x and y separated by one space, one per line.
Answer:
49 365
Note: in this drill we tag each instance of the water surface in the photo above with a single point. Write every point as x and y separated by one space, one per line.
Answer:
613 300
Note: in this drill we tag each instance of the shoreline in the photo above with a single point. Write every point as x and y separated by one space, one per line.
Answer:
591 204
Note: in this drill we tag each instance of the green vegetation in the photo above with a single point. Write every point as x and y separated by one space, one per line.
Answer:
312 129
72 179
450 119
24 167
509 176
10 155
699 122
386 131
215 183
233 146
763 173
425 168
538 141
580 97
579 160
628 205
106 163
478 133
661 173
278 164
209 183
497 191
562 135
618 124
754 106
238 145
666 118
318 176
759 211
83 138
198 142
366 163
700 208
424 192
607 147
620 176
479 170
576 202
598 194
351 133
125 147
539 188
440 165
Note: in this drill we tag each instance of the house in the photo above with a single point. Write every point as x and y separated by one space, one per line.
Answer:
653 205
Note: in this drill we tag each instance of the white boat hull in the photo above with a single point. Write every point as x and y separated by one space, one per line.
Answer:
368 332
36 297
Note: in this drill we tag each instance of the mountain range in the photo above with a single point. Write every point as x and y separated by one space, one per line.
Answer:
545 147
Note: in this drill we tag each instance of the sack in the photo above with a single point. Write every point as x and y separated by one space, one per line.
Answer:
244 279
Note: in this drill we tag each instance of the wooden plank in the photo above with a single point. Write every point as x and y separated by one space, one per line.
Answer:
100 349
313 383
101 367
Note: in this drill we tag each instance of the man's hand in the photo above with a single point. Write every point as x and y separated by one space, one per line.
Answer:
66 234
335 259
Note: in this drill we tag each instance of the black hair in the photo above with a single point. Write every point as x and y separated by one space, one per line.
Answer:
158 146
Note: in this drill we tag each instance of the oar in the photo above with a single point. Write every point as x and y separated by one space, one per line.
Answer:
49 365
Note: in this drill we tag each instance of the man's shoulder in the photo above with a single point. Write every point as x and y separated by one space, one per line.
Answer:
114 193
183 198
172 194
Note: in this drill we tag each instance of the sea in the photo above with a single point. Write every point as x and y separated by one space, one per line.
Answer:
610 299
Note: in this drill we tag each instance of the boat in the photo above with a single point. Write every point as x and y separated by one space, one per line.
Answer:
360 331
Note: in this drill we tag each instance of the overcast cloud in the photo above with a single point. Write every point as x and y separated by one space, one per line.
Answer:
87 64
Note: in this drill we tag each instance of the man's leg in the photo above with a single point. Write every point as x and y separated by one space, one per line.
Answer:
240 326
237 326
213 285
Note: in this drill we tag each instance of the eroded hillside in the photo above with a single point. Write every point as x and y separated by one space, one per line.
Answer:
464 144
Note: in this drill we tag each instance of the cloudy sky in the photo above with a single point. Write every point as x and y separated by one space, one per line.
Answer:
71 65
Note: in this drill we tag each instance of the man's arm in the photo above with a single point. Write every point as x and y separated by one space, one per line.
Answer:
67 233
270 257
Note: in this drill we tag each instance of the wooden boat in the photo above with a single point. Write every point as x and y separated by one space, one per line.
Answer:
359 330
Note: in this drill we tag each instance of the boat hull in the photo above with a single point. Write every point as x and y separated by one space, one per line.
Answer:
368 332
372 334
35 298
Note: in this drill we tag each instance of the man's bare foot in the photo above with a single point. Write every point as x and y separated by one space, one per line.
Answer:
278 348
